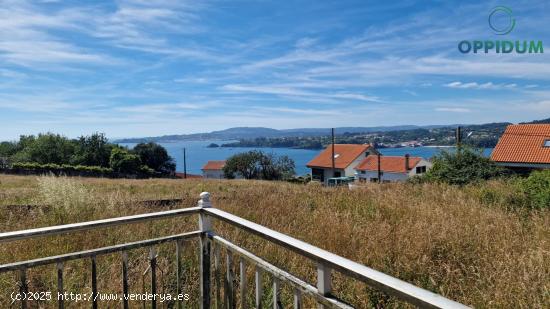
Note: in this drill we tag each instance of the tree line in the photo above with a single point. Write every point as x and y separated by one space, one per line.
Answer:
51 149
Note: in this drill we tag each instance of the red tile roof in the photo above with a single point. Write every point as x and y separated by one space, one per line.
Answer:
344 154
387 164
523 143
214 165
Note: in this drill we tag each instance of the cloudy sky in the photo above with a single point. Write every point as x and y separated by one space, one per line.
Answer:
148 67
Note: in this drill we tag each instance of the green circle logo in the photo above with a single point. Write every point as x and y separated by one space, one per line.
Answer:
496 13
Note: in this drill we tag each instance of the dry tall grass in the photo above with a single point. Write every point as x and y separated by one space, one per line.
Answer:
453 241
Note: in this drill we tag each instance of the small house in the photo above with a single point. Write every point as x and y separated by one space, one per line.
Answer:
524 147
213 170
392 168
346 158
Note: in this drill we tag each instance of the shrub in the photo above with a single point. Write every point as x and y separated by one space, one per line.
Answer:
537 189
463 166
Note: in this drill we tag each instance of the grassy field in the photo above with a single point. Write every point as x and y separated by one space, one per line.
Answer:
467 244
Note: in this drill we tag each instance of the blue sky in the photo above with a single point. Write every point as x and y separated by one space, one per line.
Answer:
147 67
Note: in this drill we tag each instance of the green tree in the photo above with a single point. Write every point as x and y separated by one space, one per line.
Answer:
44 149
93 150
258 165
122 161
8 149
245 164
463 166
156 157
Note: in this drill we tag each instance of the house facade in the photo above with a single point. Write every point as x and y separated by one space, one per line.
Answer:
346 158
524 147
213 170
392 168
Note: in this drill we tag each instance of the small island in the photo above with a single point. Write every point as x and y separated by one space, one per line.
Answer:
212 145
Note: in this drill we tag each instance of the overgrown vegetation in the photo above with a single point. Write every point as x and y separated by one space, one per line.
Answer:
464 242
92 154
537 189
460 167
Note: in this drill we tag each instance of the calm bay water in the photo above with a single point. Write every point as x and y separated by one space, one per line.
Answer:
198 153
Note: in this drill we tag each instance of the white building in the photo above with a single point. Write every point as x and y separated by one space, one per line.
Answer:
213 170
391 168
346 158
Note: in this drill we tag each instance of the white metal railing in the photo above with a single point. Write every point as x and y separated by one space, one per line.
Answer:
210 241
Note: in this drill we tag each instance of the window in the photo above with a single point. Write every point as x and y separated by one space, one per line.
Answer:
336 155
547 143
318 174
337 174
421 169
374 180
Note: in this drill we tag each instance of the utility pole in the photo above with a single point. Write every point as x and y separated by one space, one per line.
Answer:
184 165
379 169
333 159
458 136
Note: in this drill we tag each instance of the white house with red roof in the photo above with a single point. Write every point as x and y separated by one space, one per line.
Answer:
392 168
213 170
346 158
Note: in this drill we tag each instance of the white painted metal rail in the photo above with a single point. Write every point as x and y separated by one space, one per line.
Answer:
321 292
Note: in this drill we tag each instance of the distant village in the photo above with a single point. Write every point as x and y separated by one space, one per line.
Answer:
522 147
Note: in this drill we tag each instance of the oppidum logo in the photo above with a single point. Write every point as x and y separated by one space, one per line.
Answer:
501 21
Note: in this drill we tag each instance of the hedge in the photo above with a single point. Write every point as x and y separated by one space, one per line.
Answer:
30 168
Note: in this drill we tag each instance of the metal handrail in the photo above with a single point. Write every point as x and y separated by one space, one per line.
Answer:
81 226
393 286
95 252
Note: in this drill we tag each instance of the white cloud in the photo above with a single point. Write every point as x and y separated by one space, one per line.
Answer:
292 91
475 85
453 109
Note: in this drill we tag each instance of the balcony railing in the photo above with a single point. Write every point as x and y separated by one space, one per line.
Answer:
210 244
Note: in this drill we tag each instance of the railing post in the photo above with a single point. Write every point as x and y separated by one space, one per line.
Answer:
23 288
153 265
324 284
205 225
242 275
60 301
94 282
217 281
259 288
230 291
179 271
276 301
125 304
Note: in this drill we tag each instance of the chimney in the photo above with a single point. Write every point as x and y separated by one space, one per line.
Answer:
407 168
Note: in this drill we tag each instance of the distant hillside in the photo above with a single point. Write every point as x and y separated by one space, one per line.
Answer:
239 133
486 135
543 121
